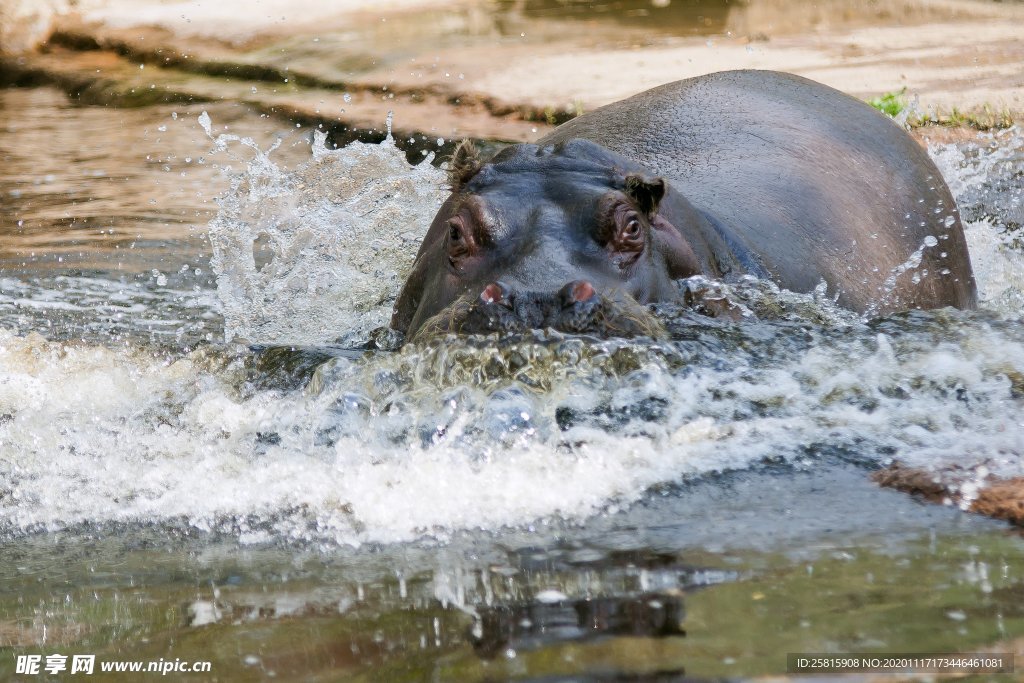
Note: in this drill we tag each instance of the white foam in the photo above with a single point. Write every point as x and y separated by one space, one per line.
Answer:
340 233
998 267
393 450
996 253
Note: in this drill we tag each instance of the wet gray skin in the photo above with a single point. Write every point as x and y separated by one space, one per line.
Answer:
567 236
740 172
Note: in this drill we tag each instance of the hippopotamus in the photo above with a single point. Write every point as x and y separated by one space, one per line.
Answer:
724 175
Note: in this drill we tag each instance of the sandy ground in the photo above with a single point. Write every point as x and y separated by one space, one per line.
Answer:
942 65
508 69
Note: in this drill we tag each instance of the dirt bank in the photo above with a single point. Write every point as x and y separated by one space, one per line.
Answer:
994 497
508 70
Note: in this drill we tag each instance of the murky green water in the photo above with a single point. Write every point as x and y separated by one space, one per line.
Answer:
638 593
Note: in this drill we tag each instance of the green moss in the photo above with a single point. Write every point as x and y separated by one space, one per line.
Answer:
891 103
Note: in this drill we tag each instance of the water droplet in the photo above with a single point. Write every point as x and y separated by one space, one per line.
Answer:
204 121
930 241
551 596
347 97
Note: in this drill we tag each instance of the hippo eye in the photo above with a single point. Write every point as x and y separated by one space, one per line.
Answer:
459 237
461 242
626 240
630 228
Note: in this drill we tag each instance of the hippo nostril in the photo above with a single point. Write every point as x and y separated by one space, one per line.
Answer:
578 291
495 293
583 291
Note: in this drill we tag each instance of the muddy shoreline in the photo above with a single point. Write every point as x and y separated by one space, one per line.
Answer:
498 71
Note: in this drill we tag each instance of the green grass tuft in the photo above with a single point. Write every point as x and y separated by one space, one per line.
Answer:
891 103
986 117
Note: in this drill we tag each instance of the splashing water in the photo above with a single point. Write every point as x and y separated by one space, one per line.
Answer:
988 184
338 236
485 433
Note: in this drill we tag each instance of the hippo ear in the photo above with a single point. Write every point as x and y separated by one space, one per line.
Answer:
464 164
645 191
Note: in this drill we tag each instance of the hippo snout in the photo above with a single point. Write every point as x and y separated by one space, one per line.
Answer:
576 308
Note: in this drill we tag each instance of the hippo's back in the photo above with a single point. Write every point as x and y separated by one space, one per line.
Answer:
815 185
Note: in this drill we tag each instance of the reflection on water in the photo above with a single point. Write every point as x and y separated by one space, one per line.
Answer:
103 215
554 618
681 17
123 190
755 20
524 608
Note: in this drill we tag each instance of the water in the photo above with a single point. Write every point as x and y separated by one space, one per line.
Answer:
176 483
109 224
320 253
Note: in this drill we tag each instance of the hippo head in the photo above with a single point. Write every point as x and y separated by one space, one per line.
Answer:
567 236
